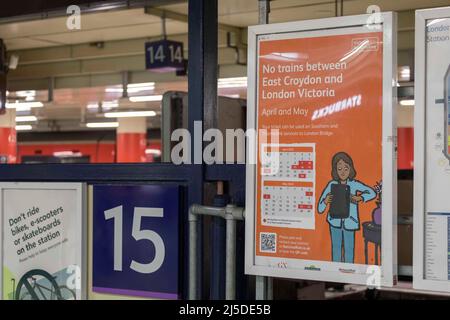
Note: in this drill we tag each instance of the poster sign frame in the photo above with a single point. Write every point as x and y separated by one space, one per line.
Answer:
387 23
420 147
81 223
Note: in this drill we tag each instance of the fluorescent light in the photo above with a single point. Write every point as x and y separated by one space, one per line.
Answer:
404 73
234 96
133 88
102 125
146 98
140 85
114 90
154 152
407 103
130 114
24 105
140 89
24 127
110 104
26 119
62 154
93 106
239 82
24 93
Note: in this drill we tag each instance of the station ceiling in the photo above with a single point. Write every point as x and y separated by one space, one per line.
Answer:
81 64
136 23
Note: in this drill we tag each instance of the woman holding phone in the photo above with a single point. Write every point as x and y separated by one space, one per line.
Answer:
343 227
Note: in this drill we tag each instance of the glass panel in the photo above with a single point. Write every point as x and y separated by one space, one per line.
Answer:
102 124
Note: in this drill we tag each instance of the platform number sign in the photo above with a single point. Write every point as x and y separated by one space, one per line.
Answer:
136 241
138 234
164 56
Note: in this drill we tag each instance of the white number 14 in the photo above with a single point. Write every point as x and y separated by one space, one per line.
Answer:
138 234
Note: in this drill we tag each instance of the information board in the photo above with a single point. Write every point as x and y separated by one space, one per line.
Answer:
43 243
432 149
135 241
320 200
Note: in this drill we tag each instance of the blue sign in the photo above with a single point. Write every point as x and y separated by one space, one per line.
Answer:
136 240
164 56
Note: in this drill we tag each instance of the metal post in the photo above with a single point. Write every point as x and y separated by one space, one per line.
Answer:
339 8
163 25
263 290
125 83
51 89
193 256
230 274
202 105
230 213
260 288
218 248
264 11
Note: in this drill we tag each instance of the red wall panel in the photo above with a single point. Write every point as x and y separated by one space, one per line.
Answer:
8 144
131 147
405 149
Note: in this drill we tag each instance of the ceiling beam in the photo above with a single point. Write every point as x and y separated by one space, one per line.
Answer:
112 78
184 18
67 63
21 12
116 48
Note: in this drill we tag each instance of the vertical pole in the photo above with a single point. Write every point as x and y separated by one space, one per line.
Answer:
193 257
202 103
230 274
125 83
264 11
163 26
264 284
339 8
218 248
51 89
261 288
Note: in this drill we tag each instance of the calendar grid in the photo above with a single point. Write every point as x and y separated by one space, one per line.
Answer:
288 185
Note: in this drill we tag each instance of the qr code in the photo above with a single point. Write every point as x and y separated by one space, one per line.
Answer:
268 242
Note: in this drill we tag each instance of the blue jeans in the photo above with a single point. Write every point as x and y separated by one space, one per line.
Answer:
342 239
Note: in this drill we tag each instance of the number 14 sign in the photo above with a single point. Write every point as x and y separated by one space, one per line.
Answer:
164 56
136 241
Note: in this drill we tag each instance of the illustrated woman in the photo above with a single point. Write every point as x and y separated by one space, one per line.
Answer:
342 229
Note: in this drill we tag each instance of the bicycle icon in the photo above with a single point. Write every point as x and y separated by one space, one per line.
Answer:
41 285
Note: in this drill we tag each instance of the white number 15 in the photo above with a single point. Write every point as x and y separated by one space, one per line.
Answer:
138 234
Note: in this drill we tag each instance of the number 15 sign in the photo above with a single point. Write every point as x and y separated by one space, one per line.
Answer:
136 241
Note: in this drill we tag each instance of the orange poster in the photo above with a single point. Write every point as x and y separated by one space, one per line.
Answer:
318 193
